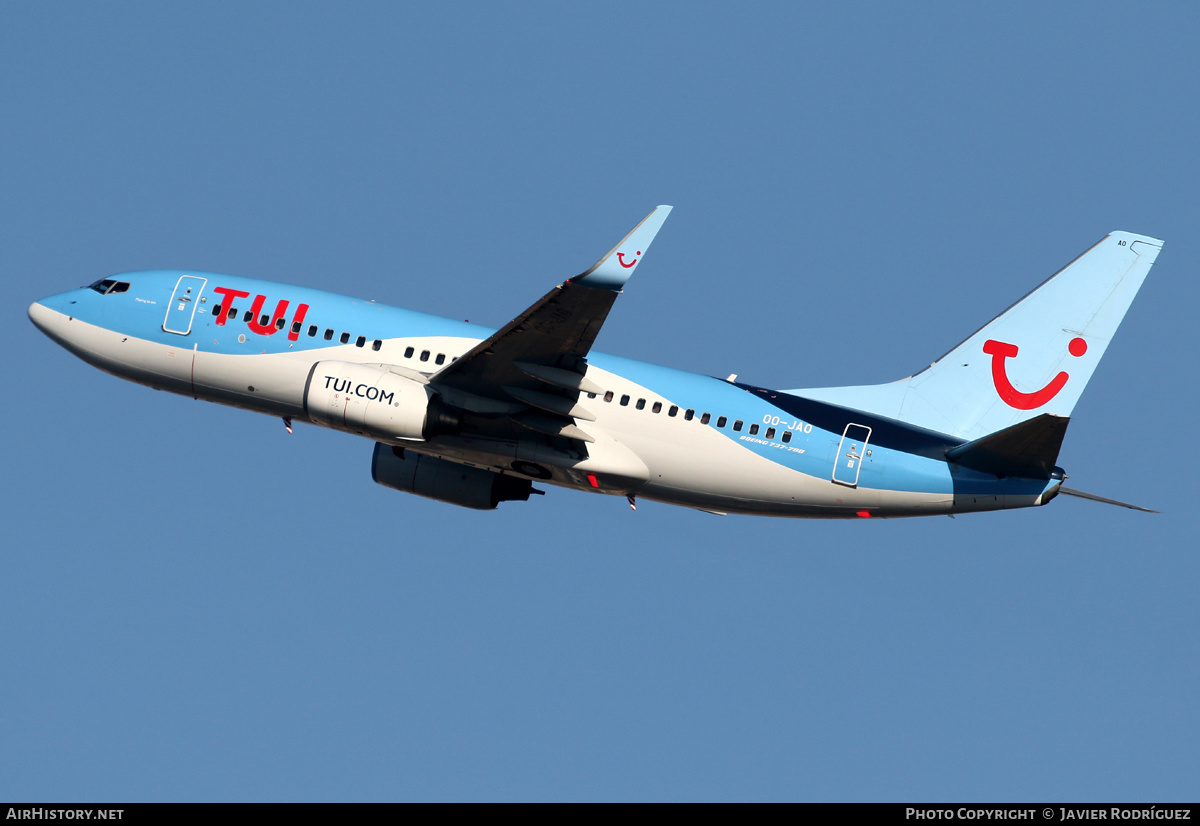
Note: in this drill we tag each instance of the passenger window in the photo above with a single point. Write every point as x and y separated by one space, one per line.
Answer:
441 359
608 396
689 414
753 430
738 425
641 404
280 323
232 312
787 435
249 315
674 409
624 401
217 310
376 344
264 320
296 325
361 341
704 418
329 335
408 351
770 433
424 355
312 330
657 408
591 395
344 338
721 421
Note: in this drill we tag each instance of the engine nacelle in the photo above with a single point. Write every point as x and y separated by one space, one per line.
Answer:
373 401
445 481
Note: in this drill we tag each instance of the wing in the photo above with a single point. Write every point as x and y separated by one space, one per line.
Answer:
535 366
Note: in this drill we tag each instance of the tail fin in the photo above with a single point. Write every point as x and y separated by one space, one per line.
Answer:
1033 359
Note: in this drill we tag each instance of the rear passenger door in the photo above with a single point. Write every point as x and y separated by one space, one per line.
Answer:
847 463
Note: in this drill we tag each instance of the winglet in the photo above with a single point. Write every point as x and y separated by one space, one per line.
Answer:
613 270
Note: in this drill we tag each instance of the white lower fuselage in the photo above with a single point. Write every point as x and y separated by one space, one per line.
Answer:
647 441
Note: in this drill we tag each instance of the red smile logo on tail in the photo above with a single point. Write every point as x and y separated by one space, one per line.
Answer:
621 259
1013 397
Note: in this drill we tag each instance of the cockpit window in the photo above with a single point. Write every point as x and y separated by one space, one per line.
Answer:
108 286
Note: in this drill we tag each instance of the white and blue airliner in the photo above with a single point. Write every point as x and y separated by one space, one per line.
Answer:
474 416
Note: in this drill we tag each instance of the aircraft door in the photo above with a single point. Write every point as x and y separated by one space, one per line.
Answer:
847 462
183 304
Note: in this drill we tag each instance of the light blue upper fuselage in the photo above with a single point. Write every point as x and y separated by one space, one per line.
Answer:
900 457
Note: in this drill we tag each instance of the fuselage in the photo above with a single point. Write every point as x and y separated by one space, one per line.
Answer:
657 433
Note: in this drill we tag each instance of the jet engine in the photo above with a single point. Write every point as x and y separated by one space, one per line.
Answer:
470 487
373 401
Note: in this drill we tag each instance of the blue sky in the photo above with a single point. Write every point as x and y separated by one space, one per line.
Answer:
197 606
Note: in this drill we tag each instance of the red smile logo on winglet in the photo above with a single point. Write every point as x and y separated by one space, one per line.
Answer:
621 259
1013 397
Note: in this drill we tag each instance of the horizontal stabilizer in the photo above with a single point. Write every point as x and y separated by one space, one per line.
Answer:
1028 450
1084 495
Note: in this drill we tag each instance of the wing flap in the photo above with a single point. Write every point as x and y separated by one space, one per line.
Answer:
565 379
552 426
554 404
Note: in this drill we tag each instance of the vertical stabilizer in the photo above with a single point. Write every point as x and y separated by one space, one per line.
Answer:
1031 360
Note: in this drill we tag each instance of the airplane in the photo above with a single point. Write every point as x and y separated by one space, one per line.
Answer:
473 416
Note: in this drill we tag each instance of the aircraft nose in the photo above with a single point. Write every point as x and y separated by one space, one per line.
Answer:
49 315
41 316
